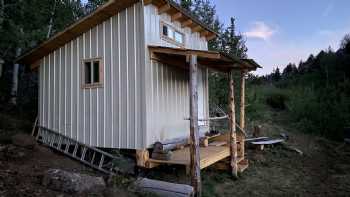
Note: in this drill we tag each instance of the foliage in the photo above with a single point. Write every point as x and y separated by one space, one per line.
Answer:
316 94
227 41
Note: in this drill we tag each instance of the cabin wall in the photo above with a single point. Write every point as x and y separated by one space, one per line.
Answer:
168 102
167 87
112 116
153 30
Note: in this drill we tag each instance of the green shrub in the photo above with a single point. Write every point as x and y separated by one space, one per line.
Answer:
277 101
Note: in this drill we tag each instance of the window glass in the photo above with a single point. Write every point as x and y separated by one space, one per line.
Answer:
96 75
179 37
87 72
170 33
165 30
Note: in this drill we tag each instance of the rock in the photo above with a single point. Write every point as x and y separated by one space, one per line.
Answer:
24 140
68 182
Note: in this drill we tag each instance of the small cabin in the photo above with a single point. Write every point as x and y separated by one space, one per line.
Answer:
119 77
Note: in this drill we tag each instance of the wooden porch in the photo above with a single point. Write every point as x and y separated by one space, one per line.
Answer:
208 156
193 156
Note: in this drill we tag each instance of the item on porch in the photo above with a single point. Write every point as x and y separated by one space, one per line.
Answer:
162 155
203 141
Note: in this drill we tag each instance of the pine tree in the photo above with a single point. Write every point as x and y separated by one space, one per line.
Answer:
233 43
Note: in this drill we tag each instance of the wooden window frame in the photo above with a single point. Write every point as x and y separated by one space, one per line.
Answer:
101 76
172 40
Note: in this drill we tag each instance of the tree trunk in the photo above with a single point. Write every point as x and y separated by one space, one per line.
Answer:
1 66
232 126
2 11
194 137
49 31
14 88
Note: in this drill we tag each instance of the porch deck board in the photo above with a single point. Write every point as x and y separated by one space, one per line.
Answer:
208 156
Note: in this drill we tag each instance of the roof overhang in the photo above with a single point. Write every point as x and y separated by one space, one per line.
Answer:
102 13
183 16
214 60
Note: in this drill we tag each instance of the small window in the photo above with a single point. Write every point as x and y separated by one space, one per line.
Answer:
172 34
92 73
179 37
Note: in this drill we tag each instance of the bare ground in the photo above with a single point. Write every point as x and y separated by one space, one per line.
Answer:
323 170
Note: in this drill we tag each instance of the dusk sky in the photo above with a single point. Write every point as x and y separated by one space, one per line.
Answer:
279 32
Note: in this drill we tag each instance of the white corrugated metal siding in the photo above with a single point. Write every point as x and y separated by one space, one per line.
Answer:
168 87
153 31
111 116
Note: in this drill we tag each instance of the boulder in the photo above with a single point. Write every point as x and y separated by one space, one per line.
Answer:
24 140
63 181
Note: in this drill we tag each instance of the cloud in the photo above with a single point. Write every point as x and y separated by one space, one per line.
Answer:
260 30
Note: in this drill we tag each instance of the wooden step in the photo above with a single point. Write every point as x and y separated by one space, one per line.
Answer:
243 165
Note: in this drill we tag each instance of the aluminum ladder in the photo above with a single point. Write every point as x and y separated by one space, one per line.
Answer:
90 156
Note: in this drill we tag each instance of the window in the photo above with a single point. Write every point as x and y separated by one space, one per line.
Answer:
171 34
92 69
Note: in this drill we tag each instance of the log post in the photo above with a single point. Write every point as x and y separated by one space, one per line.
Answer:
242 114
232 126
194 135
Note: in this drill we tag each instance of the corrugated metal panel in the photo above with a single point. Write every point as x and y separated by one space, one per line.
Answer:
111 116
168 102
152 29
168 87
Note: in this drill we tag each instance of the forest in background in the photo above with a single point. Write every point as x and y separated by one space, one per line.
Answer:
315 93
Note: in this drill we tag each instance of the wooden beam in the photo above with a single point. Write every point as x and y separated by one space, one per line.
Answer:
186 23
194 134
164 8
176 16
242 114
204 33
232 126
196 28
147 2
211 36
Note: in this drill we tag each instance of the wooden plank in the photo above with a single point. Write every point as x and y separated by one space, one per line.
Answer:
194 133
186 23
217 143
147 2
208 156
197 28
164 8
176 16
232 126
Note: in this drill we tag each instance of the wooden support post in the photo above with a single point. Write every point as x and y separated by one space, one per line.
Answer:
232 126
142 157
194 134
242 114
